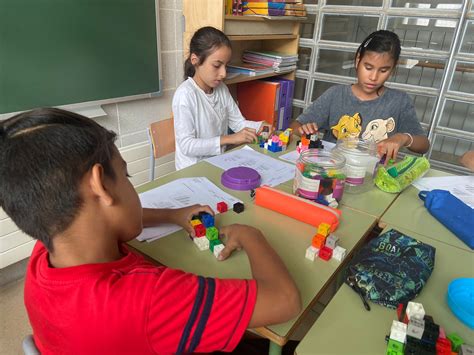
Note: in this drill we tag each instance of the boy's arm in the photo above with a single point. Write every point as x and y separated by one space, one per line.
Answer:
278 298
180 216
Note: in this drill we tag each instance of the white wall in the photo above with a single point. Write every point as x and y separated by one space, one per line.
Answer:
130 121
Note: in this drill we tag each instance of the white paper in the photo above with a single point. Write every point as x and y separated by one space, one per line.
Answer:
293 156
460 186
181 193
272 171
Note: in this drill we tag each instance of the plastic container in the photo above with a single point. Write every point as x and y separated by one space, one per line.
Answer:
361 160
460 298
319 176
241 178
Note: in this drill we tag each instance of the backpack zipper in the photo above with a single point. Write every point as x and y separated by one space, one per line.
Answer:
353 284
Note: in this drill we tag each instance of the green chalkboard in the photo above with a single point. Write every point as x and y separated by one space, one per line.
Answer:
60 52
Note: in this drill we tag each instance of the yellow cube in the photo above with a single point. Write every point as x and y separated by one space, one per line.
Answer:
324 229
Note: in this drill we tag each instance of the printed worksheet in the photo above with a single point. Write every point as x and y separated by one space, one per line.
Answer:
272 171
181 193
460 186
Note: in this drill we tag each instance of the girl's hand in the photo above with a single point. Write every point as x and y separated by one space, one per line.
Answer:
308 128
270 128
392 145
183 216
246 135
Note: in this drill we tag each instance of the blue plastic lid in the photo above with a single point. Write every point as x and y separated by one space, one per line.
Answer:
460 298
241 178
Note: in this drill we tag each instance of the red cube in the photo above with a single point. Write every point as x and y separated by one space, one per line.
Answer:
200 230
325 253
222 207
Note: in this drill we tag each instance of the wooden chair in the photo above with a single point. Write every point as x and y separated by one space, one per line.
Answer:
161 136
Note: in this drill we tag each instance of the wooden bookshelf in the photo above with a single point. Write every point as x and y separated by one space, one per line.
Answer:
242 77
257 33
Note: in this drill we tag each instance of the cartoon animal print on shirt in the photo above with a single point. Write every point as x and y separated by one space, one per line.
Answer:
348 126
378 129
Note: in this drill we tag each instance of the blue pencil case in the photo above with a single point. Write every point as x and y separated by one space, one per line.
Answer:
452 213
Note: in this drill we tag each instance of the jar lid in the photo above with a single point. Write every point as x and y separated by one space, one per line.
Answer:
241 178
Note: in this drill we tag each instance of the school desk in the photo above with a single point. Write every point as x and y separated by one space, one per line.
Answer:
345 327
289 238
373 201
408 211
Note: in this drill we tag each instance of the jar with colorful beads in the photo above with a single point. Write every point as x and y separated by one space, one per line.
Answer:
361 159
319 176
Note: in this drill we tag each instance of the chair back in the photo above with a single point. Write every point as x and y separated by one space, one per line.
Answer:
162 141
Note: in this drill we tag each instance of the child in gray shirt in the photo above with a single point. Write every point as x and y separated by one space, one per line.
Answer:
368 109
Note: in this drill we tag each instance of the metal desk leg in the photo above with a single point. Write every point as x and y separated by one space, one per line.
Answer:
274 349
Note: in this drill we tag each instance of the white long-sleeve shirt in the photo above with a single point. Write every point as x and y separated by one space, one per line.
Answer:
200 120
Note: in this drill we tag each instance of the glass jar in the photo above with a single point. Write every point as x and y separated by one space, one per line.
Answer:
319 176
361 160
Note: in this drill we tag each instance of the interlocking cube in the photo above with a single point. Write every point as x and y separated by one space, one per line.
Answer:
217 250
325 253
202 243
339 253
238 207
415 310
415 328
195 222
456 341
213 243
398 331
311 253
222 207
331 241
443 346
466 349
207 220
430 332
318 241
212 233
324 229
200 230
394 347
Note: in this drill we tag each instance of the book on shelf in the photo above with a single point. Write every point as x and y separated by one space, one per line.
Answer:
274 55
266 60
249 69
273 9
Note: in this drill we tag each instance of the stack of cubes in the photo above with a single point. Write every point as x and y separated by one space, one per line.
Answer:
309 141
207 235
416 333
325 245
275 143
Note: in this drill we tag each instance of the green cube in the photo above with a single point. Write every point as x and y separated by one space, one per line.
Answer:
456 341
394 347
213 243
212 233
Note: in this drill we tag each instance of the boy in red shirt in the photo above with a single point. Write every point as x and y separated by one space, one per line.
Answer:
64 183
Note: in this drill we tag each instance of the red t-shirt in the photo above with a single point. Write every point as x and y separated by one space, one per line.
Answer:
133 307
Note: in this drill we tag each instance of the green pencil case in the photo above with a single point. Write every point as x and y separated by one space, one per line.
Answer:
397 177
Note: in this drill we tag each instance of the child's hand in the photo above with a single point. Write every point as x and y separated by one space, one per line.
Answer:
182 216
308 128
246 135
392 145
270 128
232 237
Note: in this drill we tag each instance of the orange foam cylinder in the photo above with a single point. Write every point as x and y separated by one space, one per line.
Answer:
296 207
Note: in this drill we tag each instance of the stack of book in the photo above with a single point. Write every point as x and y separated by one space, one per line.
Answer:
248 69
273 8
279 62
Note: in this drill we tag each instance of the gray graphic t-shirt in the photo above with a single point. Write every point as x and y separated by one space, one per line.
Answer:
341 114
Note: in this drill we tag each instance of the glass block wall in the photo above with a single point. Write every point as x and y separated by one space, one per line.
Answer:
436 67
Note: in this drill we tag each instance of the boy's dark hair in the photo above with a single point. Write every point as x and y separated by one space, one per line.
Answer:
44 154
203 43
381 41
